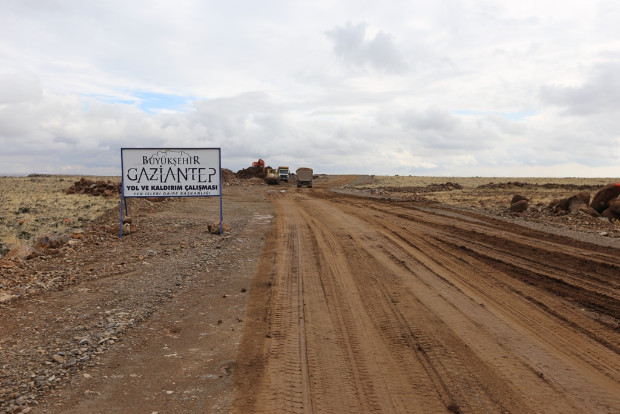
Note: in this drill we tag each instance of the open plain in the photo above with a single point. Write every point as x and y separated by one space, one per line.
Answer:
357 295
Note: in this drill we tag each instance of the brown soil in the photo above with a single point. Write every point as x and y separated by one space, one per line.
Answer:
319 301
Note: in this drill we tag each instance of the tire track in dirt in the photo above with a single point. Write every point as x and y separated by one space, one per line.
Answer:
601 359
588 277
364 352
285 357
378 307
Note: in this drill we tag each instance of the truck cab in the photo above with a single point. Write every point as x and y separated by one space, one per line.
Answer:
283 173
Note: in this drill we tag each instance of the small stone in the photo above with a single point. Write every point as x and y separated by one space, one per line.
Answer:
58 359
21 252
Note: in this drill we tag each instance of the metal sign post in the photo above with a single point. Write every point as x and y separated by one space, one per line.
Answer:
171 172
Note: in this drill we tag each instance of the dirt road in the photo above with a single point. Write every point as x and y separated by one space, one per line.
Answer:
375 306
319 302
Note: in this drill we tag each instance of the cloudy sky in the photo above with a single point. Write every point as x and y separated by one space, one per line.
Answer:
466 88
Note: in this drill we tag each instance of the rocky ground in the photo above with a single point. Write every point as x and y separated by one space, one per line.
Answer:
67 312
61 312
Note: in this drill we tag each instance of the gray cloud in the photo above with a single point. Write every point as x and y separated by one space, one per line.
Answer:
379 52
600 92
439 131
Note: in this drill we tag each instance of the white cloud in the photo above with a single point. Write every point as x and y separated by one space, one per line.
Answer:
408 87
19 88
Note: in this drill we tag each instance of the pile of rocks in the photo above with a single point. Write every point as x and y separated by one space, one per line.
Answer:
431 188
95 188
605 203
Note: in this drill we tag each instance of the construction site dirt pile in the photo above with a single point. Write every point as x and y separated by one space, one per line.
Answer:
95 188
250 172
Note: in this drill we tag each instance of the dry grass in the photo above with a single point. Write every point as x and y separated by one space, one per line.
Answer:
33 205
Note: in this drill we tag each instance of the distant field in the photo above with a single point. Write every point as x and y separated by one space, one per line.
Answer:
33 205
472 182
492 193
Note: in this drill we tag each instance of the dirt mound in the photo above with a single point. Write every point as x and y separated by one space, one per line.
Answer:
95 188
250 172
227 176
431 188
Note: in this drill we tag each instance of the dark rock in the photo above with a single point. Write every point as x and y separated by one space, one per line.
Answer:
610 214
584 197
601 200
519 206
562 204
589 211
574 202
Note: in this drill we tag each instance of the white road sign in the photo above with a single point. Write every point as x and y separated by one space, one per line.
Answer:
171 172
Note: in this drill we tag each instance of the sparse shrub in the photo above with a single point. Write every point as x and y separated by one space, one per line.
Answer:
4 248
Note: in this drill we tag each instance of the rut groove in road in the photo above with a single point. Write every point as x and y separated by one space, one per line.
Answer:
382 307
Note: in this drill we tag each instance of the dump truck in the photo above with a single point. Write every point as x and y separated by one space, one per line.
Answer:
304 177
271 176
283 173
